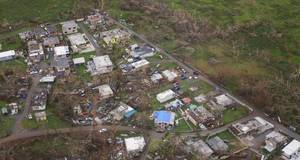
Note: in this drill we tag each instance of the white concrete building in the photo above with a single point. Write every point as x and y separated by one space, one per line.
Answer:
139 64
80 44
170 75
165 96
100 65
7 55
224 100
156 77
105 91
40 116
134 144
273 140
79 60
292 150
61 51
69 27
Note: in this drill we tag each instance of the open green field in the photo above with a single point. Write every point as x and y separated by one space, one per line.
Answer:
33 10
52 122
233 114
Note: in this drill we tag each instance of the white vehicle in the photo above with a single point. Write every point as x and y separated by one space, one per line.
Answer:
103 130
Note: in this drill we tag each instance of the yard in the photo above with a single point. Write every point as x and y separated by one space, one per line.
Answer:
6 124
182 126
234 113
52 122
18 66
233 143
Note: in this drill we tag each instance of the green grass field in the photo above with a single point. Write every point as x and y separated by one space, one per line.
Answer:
33 10
233 114
52 122
182 126
6 124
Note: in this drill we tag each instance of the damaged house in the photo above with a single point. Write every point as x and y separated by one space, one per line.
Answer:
80 44
35 51
199 115
142 51
123 111
39 101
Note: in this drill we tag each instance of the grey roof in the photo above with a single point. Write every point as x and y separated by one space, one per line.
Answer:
217 144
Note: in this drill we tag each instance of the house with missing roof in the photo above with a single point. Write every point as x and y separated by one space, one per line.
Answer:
252 127
163 120
199 115
274 140
35 51
114 36
69 27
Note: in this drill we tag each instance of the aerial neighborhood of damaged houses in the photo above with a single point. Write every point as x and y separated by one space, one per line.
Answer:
141 82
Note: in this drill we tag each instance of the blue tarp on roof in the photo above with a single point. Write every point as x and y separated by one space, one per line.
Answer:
162 117
129 114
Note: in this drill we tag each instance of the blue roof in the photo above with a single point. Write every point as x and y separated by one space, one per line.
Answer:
163 117
129 114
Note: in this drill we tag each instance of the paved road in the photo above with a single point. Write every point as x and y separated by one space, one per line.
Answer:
91 38
203 77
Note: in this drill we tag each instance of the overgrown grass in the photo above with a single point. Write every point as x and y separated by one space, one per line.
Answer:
34 10
233 114
17 65
52 122
6 124
182 126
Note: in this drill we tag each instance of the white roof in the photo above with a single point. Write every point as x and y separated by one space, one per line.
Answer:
170 75
68 24
105 90
291 148
165 96
263 122
77 39
224 100
47 79
61 50
156 76
79 60
7 54
102 61
140 63
134 144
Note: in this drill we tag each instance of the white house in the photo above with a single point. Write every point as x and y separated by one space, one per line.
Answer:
134 144
170 75
105 91
7 55
79 60
165 96
61 51
224 100
69 27
292 150
79 43
100 65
